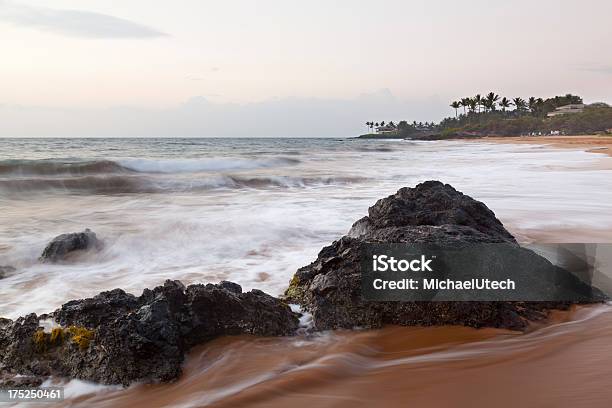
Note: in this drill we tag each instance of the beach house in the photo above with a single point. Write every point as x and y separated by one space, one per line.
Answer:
567 109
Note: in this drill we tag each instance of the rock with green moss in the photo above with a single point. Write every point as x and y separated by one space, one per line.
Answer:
118 338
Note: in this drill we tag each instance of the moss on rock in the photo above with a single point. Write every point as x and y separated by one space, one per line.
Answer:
81 336
40 340
294 291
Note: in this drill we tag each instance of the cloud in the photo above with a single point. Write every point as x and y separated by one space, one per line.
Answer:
601 69
74 23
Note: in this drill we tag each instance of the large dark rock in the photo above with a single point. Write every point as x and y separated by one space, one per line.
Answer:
431 204
118 338
430 213
64 244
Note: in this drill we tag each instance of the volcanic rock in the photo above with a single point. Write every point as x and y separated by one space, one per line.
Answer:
5 270
64 244
431 213
118 338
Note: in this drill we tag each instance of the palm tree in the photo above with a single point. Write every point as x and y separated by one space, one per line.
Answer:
535 105
504 103
492 99
531 103
488 105
382 123
519 103
478 100
472 104
455 105
465 102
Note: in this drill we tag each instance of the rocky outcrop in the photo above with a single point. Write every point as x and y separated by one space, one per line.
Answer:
430 213
430 204
118 338
62 245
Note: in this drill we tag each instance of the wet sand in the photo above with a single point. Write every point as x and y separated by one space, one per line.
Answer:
565 363
594 143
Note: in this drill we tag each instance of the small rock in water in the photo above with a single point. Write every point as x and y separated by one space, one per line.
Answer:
64 244
5 270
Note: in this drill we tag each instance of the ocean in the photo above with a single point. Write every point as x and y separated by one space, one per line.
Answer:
249 210
252 211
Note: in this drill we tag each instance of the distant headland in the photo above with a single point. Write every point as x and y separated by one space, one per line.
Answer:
490 115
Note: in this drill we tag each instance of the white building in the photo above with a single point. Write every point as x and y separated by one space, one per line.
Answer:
567 109
386 129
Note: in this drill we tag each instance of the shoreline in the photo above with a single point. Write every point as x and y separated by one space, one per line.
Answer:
347 368
588 143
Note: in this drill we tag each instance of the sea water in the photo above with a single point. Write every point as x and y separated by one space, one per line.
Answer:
249 210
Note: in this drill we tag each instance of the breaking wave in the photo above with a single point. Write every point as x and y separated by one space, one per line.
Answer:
126 184
83 168
52 167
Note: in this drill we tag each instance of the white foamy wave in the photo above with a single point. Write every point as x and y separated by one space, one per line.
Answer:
78 388
203 165
305 320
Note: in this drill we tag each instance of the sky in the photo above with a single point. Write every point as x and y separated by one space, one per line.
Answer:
191 68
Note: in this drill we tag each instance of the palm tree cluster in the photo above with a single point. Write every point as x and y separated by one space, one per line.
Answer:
401 126
491 102
491 114
371 125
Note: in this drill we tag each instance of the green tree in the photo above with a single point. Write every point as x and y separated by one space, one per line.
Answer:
465 102
531 104
478 99
491 100
455 105
402 125
473 104
504 103
519 103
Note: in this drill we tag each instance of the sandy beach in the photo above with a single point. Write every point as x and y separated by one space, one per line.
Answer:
590 143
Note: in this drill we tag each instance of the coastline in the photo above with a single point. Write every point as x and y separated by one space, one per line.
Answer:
588 143
361 368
